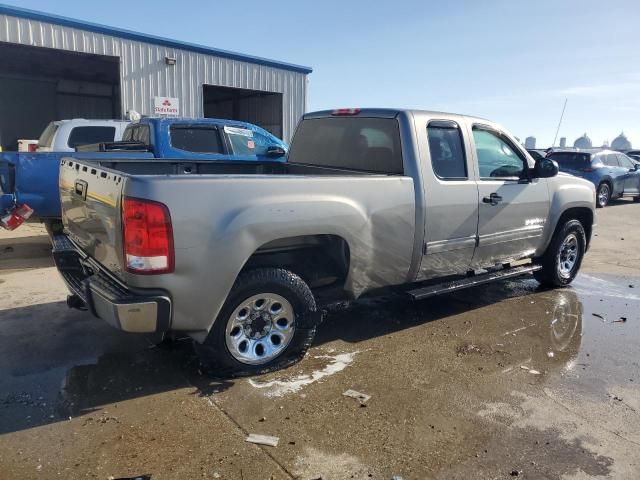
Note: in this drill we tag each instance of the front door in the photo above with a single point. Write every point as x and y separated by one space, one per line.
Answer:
631 175
513 208
451 200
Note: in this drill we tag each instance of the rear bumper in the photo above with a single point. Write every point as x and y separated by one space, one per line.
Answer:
127 309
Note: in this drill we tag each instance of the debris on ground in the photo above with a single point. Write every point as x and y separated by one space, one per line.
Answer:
524 367
550 354
516 473
468 349
620 320
534 372
597 315
362 397
263 439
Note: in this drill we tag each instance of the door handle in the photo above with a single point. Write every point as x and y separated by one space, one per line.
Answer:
492 199
81 189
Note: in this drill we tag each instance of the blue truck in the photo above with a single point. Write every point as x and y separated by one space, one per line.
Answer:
29 181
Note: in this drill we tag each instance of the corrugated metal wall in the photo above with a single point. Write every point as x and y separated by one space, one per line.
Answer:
144 73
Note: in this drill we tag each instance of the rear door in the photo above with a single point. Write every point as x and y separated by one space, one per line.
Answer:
451 199
513 208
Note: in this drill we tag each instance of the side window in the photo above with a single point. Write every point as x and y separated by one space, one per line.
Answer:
624 161
497 158
447 151
88 135
611 160
196 139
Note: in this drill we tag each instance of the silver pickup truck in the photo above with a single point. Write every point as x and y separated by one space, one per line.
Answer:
239 255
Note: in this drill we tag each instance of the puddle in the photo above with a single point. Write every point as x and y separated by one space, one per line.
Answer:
281 387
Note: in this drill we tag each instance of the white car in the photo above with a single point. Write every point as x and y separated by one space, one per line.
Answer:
66 135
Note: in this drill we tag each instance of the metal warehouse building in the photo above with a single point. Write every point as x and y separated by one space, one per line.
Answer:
53 68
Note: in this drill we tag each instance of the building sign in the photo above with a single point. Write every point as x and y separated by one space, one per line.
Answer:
166 106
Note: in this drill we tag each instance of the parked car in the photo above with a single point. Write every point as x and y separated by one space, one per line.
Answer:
237 255
32 178
613 173
537 154
66 135
634 154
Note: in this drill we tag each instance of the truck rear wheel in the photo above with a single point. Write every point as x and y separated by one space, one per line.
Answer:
563 257
268 322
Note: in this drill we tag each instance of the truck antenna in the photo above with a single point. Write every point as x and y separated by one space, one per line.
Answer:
559 123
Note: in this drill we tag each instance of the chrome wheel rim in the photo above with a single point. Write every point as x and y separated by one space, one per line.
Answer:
603 194
568 256
260 328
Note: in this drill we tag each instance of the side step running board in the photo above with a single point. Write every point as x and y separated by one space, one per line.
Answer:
447 287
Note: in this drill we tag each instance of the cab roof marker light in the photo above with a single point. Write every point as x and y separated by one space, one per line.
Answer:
345 111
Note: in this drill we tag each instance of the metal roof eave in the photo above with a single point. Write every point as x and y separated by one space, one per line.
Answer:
143 37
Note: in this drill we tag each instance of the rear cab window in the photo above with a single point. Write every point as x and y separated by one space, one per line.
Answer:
366 144
137 133
571 160
89 135
196 138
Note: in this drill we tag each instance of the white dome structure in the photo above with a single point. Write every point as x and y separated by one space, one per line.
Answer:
621 142
583 142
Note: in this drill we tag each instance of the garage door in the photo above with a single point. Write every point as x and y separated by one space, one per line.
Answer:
39 85
253 106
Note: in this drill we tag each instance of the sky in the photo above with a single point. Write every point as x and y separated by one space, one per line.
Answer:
510 61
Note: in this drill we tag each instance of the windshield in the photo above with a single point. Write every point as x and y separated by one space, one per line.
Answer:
245 141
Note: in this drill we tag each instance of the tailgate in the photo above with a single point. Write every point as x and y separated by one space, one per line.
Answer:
90 199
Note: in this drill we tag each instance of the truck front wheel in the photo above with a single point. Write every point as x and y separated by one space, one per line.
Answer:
268 322
563 257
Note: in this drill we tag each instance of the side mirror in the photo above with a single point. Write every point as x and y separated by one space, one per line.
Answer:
635 167
275 151
545 168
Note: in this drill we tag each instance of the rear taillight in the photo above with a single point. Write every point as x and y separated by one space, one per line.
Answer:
587 169
33 147
345 111
147 237
16 217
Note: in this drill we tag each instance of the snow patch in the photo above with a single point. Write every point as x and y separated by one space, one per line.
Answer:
280 388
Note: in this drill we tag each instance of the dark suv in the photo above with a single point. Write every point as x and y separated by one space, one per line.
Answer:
614 174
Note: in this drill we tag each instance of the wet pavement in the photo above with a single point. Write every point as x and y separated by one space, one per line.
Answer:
501 381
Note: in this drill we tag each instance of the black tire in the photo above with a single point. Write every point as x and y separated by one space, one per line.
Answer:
551 273
214 352
603 195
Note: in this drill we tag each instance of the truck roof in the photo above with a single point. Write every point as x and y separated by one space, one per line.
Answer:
192 120
388 113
